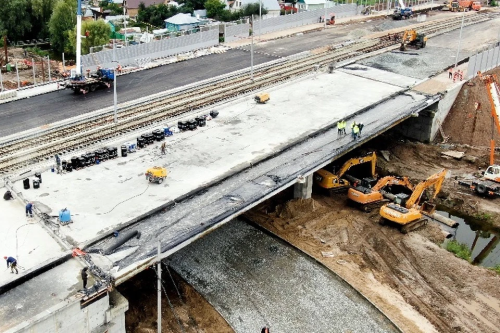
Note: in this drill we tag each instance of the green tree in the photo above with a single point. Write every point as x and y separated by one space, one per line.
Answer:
113 7
253 9
15 20
41 11
214 8
96 32
156 15
62 22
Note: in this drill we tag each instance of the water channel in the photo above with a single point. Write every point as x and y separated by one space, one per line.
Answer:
483 242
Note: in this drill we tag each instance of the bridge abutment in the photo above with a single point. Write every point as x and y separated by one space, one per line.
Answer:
426 126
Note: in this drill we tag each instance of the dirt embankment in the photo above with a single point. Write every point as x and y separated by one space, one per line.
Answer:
417 284
193 312
466 124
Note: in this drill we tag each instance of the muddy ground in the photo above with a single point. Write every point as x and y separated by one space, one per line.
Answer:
416 283
192 311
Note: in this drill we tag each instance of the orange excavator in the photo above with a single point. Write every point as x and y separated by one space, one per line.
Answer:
408 215
367 198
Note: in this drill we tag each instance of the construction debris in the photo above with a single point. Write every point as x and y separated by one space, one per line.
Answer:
453 153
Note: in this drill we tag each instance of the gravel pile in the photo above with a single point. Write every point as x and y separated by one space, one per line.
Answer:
254 280
419 64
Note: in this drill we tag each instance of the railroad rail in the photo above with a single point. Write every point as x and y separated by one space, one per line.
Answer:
24 151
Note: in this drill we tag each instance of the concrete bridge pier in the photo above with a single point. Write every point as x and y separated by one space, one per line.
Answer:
303 188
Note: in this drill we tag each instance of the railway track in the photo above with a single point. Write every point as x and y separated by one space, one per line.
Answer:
22 152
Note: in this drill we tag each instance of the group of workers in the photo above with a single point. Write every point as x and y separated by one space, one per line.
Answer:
457 75
356 128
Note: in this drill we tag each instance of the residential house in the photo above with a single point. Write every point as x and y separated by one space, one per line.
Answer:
132 6
181 22
307 5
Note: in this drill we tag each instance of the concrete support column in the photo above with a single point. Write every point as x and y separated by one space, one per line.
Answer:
303 188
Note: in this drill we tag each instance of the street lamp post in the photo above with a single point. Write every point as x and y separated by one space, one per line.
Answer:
251 51
459 41
260 18
48 62
114 82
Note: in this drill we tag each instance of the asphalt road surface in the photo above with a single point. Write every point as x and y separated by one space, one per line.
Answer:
48 108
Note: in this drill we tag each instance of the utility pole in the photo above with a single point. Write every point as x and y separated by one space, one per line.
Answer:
260 19
43 72
114 80
78 37
159 287
48 62
33 65
251 51
17 74
459 41
5 49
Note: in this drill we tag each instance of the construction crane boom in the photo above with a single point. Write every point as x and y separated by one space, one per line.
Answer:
492 87
372 157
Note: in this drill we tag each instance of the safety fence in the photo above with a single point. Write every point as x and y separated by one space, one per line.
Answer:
483 61
304 18
137 55
236 31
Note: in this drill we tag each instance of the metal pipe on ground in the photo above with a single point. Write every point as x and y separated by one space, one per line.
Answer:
446 234
122 239
445 220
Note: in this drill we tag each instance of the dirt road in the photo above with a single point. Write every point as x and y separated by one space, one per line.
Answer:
420 286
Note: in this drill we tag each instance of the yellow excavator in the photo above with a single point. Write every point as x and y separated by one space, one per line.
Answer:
334 183
408 215
367 198
414 39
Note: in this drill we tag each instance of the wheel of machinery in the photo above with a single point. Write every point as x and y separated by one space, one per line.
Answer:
382 221
160 180
481 188
93 87
150 179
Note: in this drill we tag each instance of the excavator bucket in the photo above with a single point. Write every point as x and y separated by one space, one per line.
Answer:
428 207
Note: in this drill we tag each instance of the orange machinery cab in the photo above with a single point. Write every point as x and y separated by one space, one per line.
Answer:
328 180
364 195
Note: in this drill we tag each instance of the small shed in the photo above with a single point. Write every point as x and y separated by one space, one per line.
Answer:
181 22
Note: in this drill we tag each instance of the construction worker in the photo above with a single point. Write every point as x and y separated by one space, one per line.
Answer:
29 209
163 148
344 125
265 329
352 129
360 125
8 195
58 163
85 276
450 73
339 127
460 74
355 131
12 263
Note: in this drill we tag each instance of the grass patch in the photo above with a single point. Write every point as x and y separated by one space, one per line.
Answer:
459 249
38 51
483 217
496 268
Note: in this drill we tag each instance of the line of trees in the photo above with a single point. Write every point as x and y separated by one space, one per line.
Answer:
216 9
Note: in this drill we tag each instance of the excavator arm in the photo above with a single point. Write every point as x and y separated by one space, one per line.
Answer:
435 181
372 157
492 87
392 180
